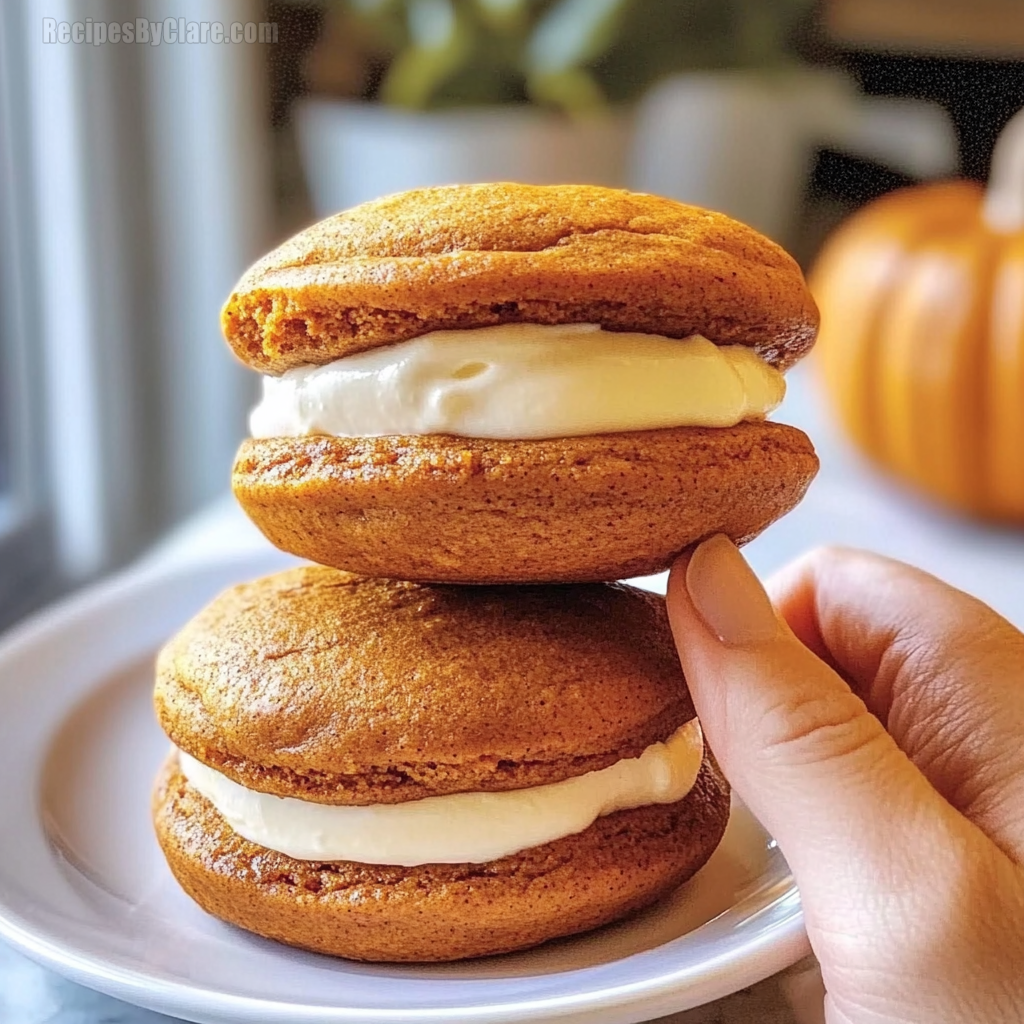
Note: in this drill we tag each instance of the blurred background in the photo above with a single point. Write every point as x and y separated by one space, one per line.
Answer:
144 165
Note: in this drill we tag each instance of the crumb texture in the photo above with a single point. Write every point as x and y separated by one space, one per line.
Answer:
336 688
439 912
464 510
477 255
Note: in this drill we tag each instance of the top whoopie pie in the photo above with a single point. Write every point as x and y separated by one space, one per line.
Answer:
516 383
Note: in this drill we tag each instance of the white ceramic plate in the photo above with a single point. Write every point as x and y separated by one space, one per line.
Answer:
84 890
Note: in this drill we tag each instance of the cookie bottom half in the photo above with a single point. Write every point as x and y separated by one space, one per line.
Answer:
438 912
447 509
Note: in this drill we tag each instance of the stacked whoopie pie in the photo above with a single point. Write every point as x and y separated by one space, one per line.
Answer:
471 391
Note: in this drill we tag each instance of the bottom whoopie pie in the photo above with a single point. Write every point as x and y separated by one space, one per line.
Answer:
390 771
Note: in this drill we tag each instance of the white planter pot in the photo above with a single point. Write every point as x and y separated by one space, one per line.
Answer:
358 151
732 143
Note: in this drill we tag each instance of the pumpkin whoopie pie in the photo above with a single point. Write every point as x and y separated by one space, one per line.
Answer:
515 384
394 771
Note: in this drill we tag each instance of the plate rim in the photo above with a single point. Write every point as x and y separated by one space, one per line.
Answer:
761 956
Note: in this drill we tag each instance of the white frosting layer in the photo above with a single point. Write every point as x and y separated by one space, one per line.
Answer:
520 381
462 828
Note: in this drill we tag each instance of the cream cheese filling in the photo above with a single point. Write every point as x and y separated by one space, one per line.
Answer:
519 382
461 828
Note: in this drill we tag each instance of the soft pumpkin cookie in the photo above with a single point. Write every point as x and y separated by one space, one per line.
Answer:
433 731
467 510
468 256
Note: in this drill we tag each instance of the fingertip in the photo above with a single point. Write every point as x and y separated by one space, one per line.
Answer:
677 571
677 599
728 596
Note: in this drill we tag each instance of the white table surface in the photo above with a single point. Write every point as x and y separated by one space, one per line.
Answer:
848 504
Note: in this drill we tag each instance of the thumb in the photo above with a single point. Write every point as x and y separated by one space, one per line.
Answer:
802 750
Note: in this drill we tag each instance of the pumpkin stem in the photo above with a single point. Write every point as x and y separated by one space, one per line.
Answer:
1004 201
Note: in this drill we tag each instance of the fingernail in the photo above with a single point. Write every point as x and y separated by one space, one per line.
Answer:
728 596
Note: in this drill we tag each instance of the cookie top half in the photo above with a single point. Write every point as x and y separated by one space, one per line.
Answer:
466 256
340 689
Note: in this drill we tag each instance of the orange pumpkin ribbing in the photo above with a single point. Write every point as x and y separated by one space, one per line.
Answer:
1004 384
922 344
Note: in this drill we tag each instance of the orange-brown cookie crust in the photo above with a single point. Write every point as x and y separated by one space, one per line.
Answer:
439 912
338 689
477 255
464 510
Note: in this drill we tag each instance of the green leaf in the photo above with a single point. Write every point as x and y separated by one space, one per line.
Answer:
416 74
573 33
372 7
505 22
431 23
574 91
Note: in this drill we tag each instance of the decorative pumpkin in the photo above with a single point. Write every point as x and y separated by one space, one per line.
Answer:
922 334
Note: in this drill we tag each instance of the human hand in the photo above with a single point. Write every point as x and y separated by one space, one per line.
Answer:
874 723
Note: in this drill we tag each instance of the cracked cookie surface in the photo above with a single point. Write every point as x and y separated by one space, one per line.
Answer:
478 255
335 688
